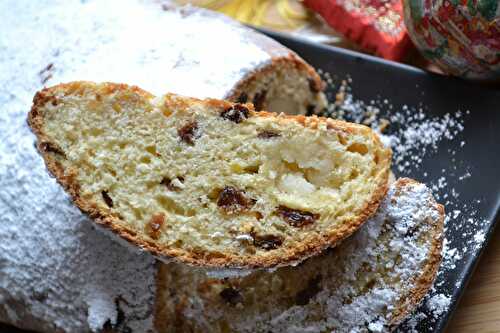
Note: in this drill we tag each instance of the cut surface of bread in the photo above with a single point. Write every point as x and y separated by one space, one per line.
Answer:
369 283
286 85
209 182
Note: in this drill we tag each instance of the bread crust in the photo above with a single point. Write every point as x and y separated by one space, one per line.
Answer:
424 282
290 59
108 219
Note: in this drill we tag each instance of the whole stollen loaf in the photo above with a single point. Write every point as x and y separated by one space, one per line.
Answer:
69 277
209 182
184 50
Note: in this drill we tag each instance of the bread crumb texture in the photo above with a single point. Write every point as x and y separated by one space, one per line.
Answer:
369 283
209 182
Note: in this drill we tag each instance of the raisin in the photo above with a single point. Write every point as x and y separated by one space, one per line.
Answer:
154 225
236 113
268 135
297 218
259 99
267 242
304 296
107 198
46 78
45 74
313 86
47 68
189 132
370 284
167 182
410 232
242 98
231 296
310 110
120 324
258 215
232 200
40 296
51 147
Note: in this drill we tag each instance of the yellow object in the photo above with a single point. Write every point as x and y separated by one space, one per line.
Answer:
278 14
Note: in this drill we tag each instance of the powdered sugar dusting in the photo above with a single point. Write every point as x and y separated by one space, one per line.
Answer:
415 137
134 42
438 304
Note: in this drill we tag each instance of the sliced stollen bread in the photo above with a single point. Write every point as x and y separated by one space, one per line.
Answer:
209 182
369 283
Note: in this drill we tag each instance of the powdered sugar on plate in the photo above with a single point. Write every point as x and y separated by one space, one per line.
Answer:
412 133
414 137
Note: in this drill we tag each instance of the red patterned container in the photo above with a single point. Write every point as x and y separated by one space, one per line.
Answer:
462 37
376 25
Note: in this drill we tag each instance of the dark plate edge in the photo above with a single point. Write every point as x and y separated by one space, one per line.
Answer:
469 271
495 86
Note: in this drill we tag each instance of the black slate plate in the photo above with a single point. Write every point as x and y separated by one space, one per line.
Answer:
374 78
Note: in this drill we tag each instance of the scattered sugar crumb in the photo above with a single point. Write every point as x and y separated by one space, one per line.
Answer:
438 304
414 136
479 238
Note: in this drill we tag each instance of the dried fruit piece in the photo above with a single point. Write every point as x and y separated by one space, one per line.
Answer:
242 98
314 86
297 218
231 296
40 296
268 135
258 215
236 113
189 132
153 228
51 147
310 110
304 296
107 198
232 200
47 68
46 73
259 99
267 242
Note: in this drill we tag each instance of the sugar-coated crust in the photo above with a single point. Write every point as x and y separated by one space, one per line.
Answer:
108 219
279 55
425 280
